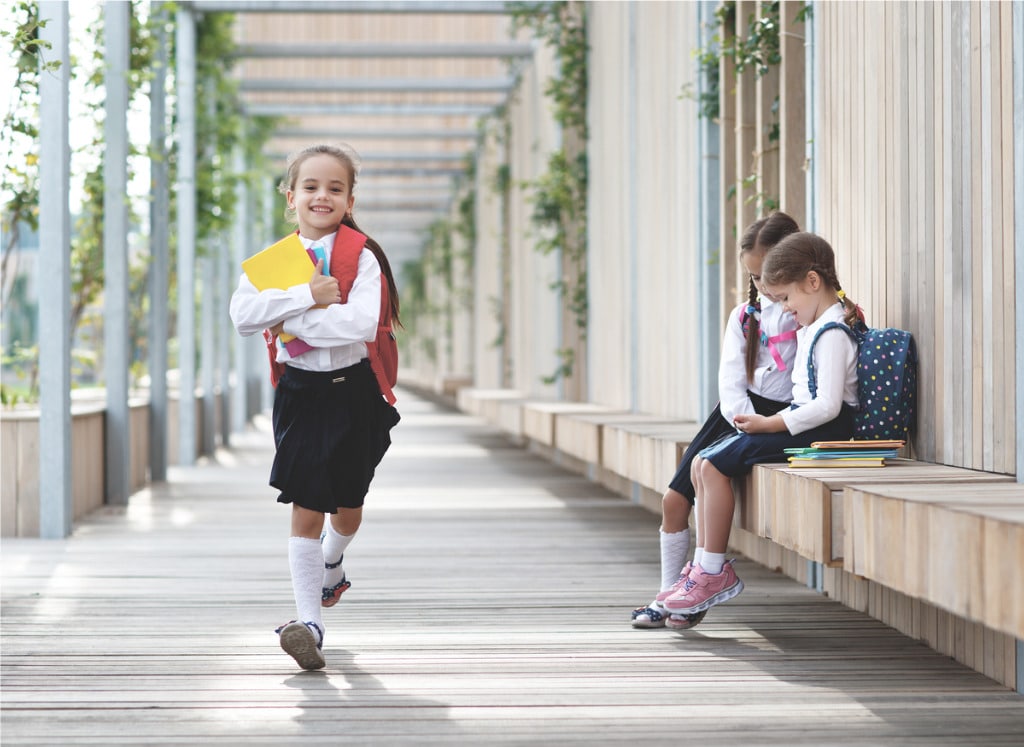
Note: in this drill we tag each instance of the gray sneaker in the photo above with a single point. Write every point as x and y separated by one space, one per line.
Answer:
303 641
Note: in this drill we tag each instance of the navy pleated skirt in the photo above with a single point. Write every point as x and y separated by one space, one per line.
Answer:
715 428
737 454
331 430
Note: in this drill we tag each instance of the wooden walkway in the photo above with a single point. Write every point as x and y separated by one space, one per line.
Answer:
490 604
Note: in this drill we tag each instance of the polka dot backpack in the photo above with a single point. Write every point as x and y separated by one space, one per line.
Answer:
886 380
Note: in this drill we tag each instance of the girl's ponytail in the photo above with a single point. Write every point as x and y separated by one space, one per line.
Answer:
385 267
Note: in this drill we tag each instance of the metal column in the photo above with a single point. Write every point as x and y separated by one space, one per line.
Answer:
55 505
159 254
116 341
186 74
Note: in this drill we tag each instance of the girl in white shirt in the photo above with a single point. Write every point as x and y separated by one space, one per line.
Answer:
800 272
331 423
753 376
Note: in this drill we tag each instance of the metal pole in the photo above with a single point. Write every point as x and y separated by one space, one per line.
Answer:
709 229
115 251
240 232
55 504
186 74
159 235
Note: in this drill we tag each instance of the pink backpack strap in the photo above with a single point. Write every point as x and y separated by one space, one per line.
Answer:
769 342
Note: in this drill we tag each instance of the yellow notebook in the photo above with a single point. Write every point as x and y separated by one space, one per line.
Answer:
281 265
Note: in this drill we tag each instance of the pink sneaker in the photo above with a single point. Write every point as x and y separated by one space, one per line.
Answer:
704 590
660 599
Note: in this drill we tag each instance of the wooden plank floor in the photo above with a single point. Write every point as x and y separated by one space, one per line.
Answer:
490 604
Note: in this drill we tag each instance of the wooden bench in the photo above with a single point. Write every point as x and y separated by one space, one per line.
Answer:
889 541
802 509
959 546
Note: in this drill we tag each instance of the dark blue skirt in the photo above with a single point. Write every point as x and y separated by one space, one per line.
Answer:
715 428
737 454
331 430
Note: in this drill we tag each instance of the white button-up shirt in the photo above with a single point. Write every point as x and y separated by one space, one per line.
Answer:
338 332
835 366
770 381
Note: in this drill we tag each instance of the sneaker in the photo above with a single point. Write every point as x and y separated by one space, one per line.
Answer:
648 617
703 590
660 599
684 622
332 594
303 642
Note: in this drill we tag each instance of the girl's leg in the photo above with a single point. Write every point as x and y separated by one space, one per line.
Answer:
307 563
674 536
674 543
719 504
712 582
699 504
340 531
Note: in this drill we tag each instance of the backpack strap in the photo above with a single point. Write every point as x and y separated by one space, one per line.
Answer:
812 377
348 245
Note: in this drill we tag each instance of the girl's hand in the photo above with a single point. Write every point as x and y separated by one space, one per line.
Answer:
324 287
277 329
755 423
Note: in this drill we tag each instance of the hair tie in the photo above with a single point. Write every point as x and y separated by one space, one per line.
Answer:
842 294
751 309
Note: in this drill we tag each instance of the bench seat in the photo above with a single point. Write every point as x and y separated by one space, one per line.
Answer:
958 547
801 509
647 449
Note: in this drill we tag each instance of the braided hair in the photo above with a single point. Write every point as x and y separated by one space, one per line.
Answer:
763 234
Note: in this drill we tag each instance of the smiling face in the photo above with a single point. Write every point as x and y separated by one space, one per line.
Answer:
321 195
805 300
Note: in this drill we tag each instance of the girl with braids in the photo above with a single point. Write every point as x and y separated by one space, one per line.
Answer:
800 272
753 376
331 423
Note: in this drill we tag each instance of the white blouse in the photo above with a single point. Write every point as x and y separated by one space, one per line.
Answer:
338 332
774 366
835 366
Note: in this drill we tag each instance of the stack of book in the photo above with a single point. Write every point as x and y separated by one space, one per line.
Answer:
832 454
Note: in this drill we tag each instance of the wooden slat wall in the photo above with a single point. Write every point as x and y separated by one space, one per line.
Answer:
666 216
488 284
916 197
610 188
534 310
642 210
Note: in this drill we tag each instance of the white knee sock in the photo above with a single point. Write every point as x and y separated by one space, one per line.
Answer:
307 564
674 549
334 546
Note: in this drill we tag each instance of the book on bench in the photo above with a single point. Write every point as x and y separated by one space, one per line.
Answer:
843 454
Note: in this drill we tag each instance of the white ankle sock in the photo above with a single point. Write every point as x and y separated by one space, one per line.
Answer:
698 553
712 562
334 546
307 565
674 549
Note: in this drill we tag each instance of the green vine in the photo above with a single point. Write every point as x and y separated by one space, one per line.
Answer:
758 50
223 125
19 185
559 196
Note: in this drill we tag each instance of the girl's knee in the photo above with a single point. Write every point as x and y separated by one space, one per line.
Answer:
347 520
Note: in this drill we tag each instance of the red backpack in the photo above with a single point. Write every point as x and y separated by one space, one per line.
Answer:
383 351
